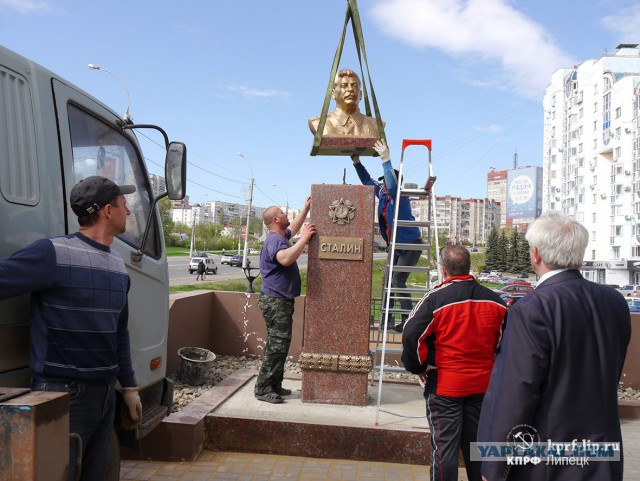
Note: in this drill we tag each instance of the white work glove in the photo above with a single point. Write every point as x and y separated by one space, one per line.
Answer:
355 158
133 412
383 150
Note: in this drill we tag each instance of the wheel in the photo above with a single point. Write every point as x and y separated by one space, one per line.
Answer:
215 271
191 271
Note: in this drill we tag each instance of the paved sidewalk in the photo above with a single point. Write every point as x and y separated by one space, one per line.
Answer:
225 466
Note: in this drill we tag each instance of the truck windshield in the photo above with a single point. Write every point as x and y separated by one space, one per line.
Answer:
100 149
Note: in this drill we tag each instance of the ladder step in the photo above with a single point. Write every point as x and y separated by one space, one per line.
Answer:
416 290
411 269
412 247
415 192
399 310
391 368
413 223
390 350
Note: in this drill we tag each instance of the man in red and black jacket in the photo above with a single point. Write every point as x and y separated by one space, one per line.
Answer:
450 341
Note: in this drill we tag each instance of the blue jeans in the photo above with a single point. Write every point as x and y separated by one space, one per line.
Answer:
91 416
399 279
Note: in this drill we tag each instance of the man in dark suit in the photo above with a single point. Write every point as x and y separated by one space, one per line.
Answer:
561 358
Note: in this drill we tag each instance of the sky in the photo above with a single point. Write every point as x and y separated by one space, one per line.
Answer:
238 80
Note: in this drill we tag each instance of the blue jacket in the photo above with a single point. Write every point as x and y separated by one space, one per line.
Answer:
386 193
79 308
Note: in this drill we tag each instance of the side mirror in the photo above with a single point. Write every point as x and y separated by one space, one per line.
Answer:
175 170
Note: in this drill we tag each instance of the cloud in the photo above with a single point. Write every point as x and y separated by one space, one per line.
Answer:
489 33
493 128
257 93
625 23
24 6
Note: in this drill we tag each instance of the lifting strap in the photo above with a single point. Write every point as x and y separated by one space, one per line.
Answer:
353 15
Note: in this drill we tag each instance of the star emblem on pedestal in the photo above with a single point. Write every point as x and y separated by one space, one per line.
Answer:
342 211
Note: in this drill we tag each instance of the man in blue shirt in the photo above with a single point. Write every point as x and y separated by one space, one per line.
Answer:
386 189
280 286
79 319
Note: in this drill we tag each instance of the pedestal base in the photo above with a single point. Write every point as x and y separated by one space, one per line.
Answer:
345 146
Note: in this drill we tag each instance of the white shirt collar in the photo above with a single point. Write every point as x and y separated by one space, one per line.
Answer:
549 275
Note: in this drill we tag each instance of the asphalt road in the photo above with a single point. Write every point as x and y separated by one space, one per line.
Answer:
179 274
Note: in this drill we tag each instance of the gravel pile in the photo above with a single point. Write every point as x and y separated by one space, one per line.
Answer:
629 394
224 366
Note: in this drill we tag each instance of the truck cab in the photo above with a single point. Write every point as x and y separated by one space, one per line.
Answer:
52 135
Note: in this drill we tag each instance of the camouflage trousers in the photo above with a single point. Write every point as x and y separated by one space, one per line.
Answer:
278 315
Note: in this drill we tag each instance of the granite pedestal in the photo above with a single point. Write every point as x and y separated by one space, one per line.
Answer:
336 357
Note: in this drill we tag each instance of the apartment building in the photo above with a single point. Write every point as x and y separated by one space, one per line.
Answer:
591 159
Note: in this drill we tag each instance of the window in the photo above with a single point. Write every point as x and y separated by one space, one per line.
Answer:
99 149
615 252
593 235
618 112
580 112
595 125
593 217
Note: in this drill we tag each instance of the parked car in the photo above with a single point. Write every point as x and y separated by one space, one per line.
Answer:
236 260
630 290
489 278
510 298
517 288
519 281
210 265
634 304
225 258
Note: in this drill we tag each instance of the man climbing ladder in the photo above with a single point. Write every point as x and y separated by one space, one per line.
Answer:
386 188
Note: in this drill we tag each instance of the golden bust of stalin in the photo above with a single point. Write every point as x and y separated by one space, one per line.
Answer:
346 120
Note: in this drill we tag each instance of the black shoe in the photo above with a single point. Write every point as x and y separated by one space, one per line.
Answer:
270 397
397 328
281 391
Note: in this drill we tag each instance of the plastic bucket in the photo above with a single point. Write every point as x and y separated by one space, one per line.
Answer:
195 362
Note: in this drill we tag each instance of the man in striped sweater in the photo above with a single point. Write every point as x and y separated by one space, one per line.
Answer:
79 318
450 340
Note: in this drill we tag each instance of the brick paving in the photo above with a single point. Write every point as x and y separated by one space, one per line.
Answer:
226 466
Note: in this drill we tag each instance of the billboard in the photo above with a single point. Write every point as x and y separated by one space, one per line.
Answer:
524 194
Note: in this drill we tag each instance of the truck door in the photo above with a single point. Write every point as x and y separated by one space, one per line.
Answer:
92 144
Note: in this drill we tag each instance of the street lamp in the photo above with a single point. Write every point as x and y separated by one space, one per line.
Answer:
246 234
127 118
286 195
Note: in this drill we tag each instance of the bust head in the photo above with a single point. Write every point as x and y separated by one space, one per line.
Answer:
346 90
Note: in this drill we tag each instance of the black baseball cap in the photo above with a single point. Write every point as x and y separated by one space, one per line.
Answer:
91 194
381 178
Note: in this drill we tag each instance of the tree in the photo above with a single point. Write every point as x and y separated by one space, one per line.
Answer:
524 262
512 252
502 253
164 205
492 253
